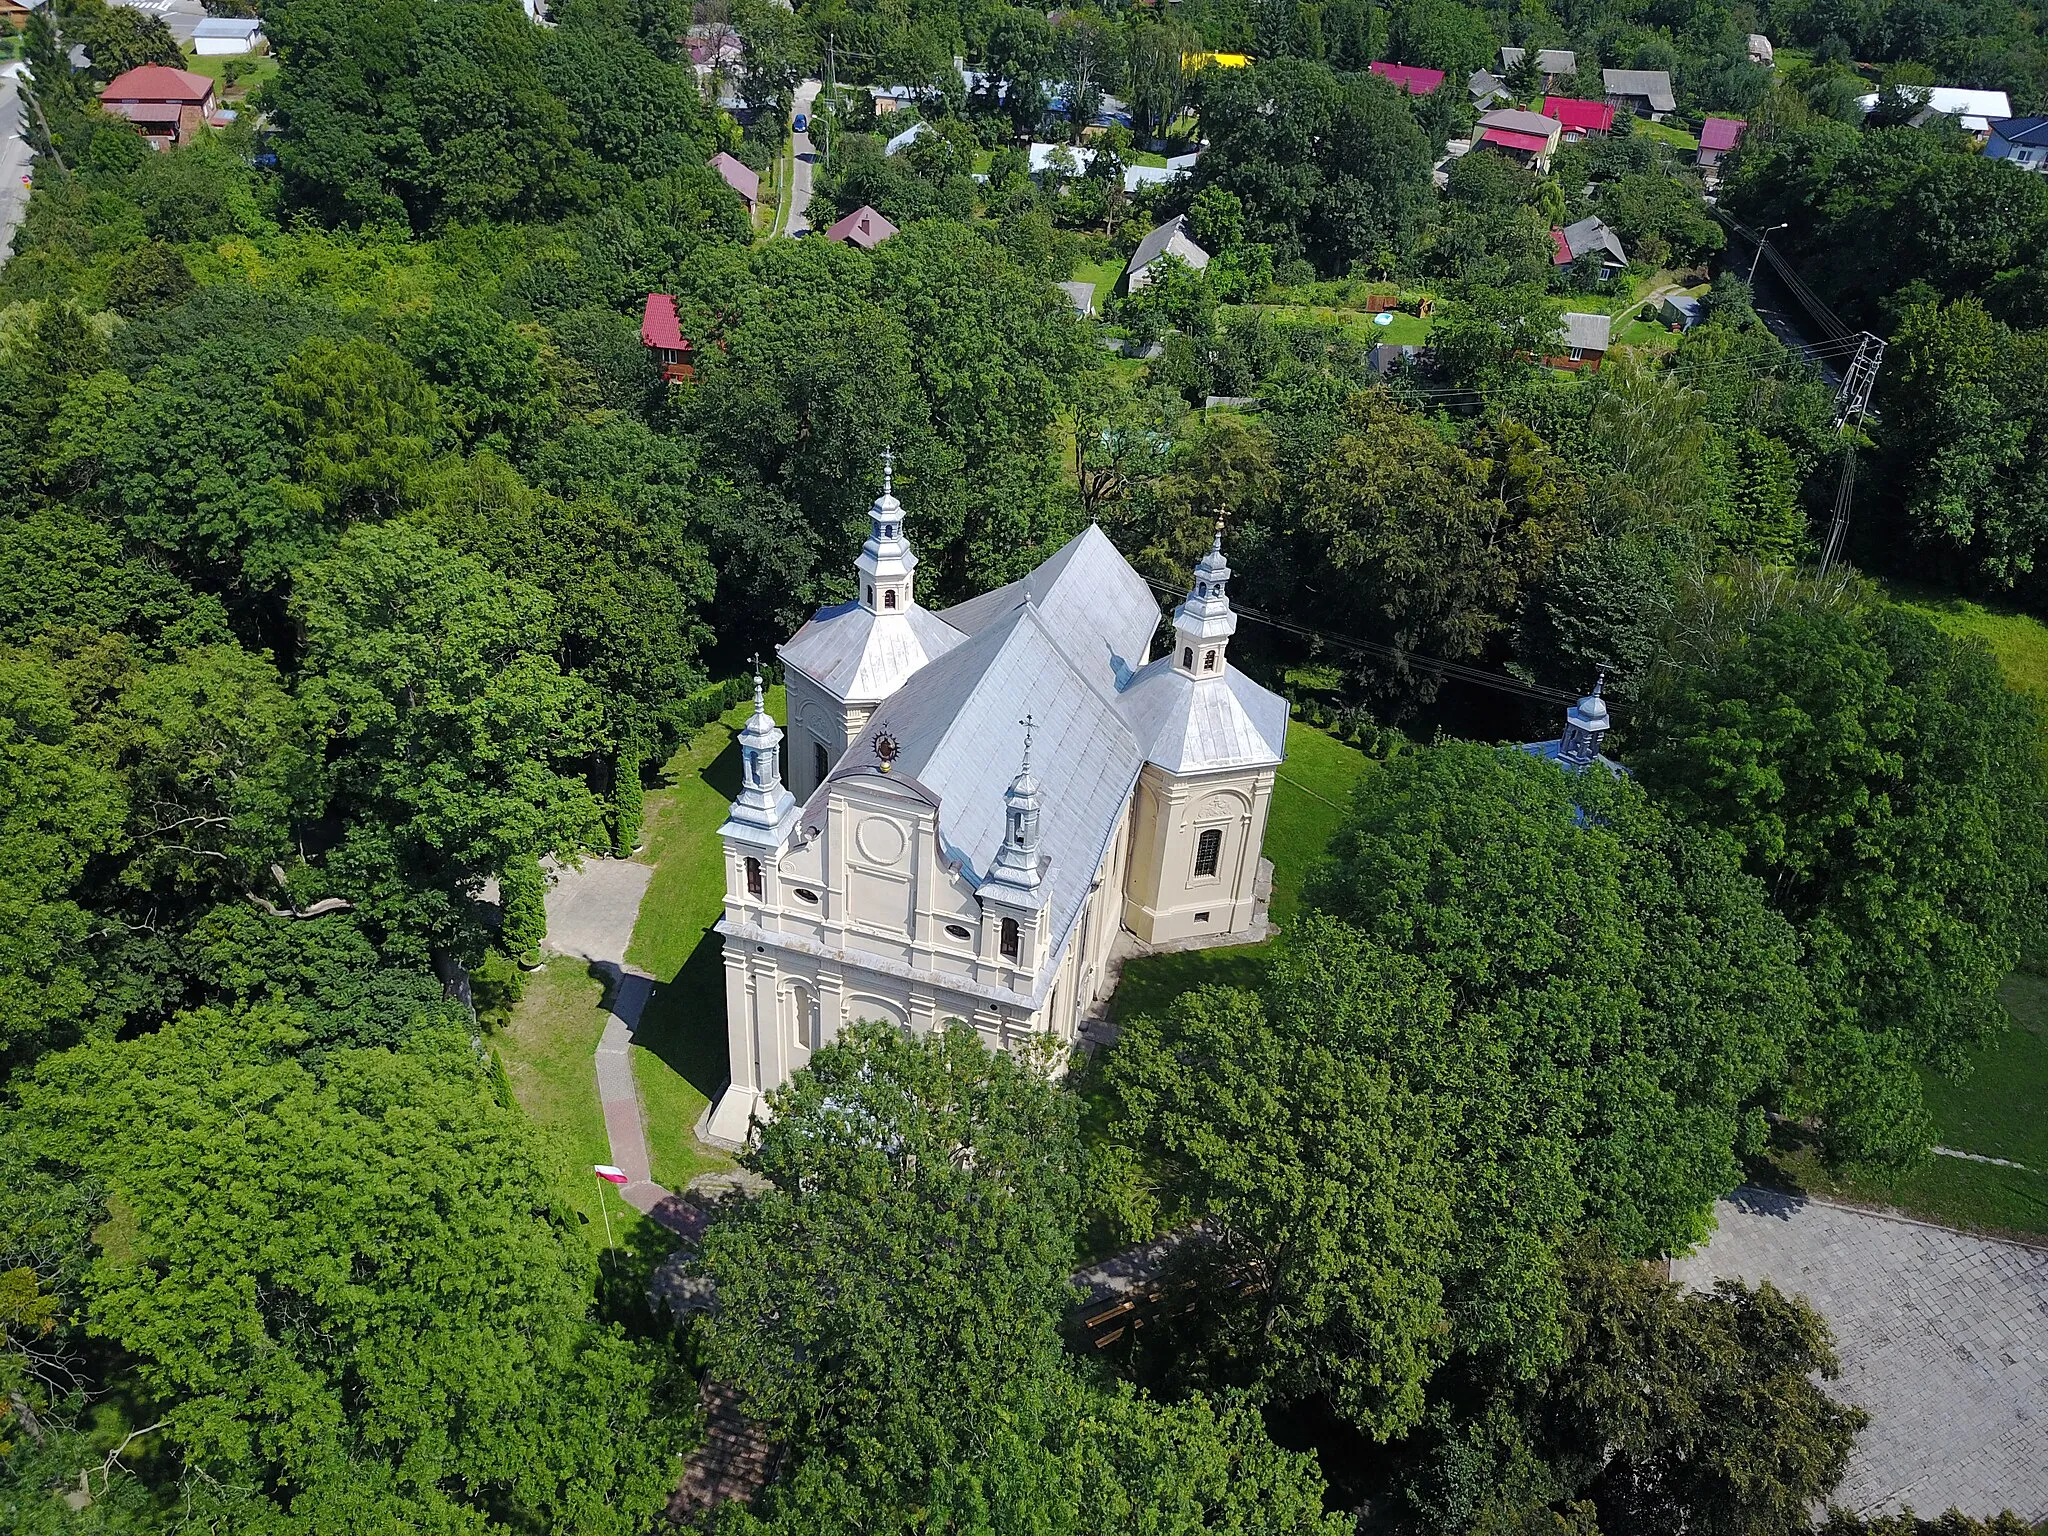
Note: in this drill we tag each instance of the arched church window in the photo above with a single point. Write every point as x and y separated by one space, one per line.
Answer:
871 597
821 760
1209 661
1013 939
753 876
889 598
1187 657
1208 851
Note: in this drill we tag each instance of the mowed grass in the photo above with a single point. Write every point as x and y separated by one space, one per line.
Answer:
1103 274
2018 640
1310 796
682 1059
1999 1110
547 1051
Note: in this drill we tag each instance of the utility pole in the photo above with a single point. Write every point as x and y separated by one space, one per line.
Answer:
1762 240
1852 404
831 98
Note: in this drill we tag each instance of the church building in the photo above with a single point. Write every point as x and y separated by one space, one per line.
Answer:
980 799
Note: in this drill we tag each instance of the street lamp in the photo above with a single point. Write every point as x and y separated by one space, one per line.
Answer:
1762 240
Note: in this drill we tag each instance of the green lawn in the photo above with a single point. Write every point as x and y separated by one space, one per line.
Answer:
2019 640
1309 799
1677 137
547 1051
1403 330
683 1032
2000 1110
1103 274
256 67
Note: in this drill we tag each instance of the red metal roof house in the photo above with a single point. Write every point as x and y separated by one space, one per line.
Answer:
1412 78
863 227
1718 135
662 334
168 106
737 176
1579 118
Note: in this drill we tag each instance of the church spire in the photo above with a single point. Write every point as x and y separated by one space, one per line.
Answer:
1016 870
886 563
1203 623
1585 726
765 807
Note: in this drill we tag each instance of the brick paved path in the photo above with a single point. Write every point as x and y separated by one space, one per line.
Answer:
1943 1338
591 912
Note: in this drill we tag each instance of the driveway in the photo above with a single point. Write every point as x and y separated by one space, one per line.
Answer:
14 160
1943 1338
800 178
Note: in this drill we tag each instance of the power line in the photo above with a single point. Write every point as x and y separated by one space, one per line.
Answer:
1415 660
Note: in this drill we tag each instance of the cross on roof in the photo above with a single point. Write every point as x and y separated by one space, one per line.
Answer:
888 470
1030 724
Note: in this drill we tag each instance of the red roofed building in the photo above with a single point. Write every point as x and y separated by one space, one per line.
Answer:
1579 118
863 227
1412 78
737 176
167 105
1718 135
662 334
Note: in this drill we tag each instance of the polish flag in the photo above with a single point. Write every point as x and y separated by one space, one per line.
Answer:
610 1174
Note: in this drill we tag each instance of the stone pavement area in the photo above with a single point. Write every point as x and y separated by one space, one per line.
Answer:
1943 1338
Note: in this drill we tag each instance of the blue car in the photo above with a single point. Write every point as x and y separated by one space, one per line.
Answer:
802 122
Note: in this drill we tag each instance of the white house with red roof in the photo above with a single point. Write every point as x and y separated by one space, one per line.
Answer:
167 105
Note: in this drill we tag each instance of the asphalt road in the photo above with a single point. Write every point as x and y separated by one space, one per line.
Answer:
181 16
14 161
800 179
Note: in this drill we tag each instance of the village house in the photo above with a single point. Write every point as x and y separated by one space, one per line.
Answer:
2023 141
1528 138
1169 239
863 227
1551 63
167 106
1578 118
1644 92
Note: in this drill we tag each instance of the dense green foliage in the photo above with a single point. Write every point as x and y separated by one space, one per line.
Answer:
891 1309
1885 785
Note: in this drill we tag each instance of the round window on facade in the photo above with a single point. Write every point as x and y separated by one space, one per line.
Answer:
954 930
803 895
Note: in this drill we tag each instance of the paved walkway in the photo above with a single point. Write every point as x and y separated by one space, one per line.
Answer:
1943 1339
591 912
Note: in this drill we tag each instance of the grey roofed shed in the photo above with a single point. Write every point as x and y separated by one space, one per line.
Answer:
1549 61
1586 333
1651 85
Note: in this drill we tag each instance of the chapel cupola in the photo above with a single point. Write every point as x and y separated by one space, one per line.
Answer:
1203 623
765 811
1585 728
1015 876
887 564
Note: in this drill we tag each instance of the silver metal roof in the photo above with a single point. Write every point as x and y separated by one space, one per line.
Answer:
959 732
1190 725
1172 236
863 657
1101 610
1551 61
1652 84
1589 331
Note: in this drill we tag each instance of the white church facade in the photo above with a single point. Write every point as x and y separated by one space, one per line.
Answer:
980 799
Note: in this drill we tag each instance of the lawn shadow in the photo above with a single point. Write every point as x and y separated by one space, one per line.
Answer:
722 773
1150 983
684 1025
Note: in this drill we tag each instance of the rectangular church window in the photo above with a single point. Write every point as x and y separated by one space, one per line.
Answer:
753 877
1208 851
